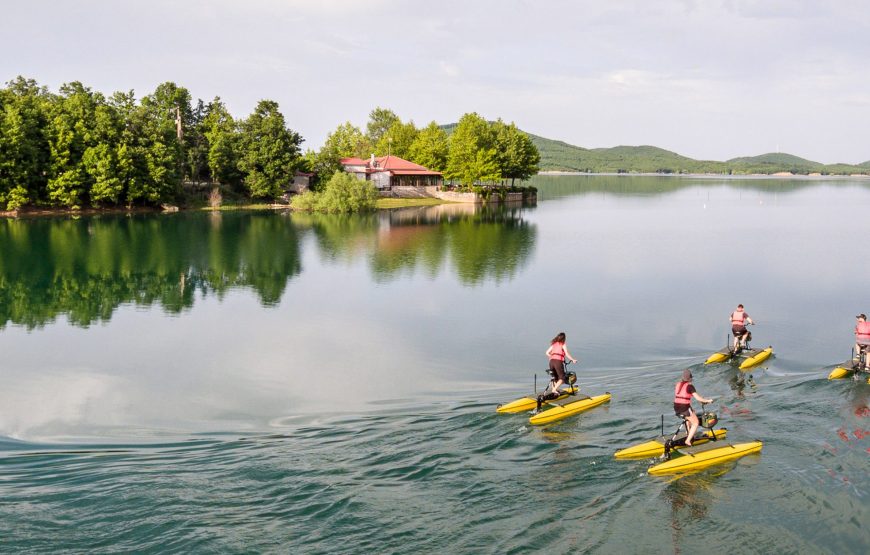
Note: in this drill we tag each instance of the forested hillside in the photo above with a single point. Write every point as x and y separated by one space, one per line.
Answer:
561 156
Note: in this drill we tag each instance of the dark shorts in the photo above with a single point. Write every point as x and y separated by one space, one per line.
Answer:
682 410
738 330
559 367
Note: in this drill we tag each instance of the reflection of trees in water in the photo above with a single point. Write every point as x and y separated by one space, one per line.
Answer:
479 243
558 186
85 268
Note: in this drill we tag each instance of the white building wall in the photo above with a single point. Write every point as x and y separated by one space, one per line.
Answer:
381 180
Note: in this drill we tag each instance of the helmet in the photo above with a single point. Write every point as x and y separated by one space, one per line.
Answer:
571 377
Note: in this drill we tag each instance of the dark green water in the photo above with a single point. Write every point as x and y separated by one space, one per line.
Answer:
266 382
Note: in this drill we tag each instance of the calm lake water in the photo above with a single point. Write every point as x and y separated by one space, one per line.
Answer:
322 384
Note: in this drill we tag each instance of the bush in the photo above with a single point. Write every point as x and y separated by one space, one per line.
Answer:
16 198
342 194
305 201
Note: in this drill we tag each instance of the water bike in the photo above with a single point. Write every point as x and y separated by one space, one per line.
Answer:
854 367
662 444
705 449
550 405
750 357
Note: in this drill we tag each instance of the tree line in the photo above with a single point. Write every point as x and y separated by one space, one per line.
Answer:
77 147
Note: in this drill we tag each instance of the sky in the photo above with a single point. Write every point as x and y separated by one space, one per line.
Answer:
709 79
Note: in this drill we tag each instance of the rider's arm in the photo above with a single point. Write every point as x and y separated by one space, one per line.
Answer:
701 399
567 354
749 320
549 351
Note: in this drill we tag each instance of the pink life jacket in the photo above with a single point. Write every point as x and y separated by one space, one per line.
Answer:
738 317
681 394
862 331
557 351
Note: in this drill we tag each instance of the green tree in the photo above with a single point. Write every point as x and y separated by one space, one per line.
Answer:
346 141
196 145
69 134
130 152
518 157
101 164
270 151
430 148
24 150
159 120
397 140
472 157
222 136
380 121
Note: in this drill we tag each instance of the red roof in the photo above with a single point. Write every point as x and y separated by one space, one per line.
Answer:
353 162
392 164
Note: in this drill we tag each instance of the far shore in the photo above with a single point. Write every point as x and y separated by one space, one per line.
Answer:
714 175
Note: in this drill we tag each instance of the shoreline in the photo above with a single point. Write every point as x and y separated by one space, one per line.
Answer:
382 204
391 203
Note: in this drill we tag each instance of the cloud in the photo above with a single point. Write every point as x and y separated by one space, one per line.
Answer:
640 63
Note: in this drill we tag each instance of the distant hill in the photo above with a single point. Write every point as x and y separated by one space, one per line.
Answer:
561 156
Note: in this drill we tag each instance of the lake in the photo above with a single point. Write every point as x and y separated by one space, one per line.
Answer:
272 382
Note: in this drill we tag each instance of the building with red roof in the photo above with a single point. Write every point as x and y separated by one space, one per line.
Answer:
386 172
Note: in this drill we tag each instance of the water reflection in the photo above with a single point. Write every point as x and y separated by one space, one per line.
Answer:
689 499
556 186
85 268
477 243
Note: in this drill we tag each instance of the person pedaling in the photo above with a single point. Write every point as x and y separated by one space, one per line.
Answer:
683 393
862 341
557 352
739 319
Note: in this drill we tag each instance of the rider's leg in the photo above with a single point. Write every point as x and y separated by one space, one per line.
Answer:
559 378
693 427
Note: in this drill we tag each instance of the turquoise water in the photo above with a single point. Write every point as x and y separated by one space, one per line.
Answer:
272 382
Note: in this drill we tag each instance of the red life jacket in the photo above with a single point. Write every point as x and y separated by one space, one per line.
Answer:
557 351
738 317
862 331
681 394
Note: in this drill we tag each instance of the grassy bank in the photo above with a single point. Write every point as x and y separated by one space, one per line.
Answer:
387 203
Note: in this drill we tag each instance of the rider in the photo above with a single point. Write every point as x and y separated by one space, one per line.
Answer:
557 353
683 393
862 338
739 319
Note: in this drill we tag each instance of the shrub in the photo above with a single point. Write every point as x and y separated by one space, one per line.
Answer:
16 198
342 194
305 201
